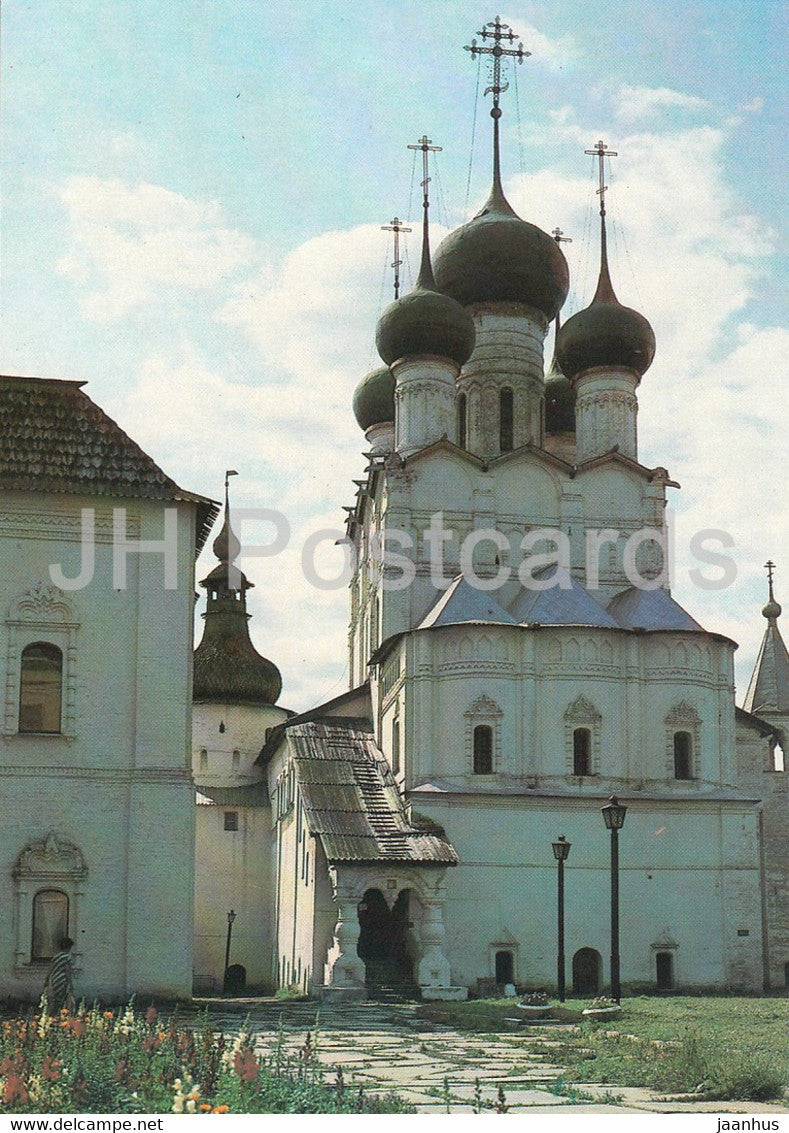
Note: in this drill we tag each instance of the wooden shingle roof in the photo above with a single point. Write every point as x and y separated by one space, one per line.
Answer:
53 438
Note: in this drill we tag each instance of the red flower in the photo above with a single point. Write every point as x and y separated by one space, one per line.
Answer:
15 1090
246 1065
51 1069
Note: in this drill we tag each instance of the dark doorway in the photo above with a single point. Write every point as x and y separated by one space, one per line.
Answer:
587 964
235 980
664 964
383 941
504 968
786 975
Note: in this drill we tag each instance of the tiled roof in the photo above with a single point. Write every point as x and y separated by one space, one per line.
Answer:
53 438
351 801
249 794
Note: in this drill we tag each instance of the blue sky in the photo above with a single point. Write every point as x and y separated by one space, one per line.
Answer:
192 200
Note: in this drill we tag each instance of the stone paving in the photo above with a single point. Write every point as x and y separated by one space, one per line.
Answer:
384 1046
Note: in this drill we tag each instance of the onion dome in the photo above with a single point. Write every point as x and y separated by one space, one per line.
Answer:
559 398
227 667
497 257
425 321
373 398
605 333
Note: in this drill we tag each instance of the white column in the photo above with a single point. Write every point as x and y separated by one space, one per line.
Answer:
433 968
344 968
424 402
605 413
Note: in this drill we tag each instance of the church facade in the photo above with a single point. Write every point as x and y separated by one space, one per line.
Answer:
516 658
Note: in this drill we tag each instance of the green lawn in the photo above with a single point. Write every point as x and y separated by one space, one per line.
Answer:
731 1048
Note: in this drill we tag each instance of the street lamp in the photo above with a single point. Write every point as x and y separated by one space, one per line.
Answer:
561 851
614 817
231 916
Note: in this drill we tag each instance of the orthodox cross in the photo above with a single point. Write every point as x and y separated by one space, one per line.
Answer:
601 153
500 31
228 473
560 237
396 225
426 146
770 568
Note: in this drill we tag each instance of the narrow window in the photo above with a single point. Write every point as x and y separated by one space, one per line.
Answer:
396 747
779 763
462 420
664 963
236 760
203 759
504 967
231 820
50 923
582 751
505 420
483 749
682 753
40 688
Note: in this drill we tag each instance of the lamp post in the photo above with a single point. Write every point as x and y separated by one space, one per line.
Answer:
561 851
231 916
614 817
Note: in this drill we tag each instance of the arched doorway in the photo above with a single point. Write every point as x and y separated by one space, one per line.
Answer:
587 966
383 941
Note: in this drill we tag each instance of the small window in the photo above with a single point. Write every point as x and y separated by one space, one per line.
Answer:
582 751
396 747
40 688
506 420
483 749
504 967
50 923
203 759
462 420
682 755
231 820
236 760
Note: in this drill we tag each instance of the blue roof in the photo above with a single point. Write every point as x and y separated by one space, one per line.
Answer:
465 603
651 609
565 603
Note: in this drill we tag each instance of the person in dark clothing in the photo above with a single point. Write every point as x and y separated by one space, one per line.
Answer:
58 987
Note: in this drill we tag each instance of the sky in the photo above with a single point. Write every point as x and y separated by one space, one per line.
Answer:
192 203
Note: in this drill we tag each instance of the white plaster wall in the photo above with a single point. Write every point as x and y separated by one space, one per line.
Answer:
117 787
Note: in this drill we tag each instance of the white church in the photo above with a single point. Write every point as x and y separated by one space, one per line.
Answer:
516 658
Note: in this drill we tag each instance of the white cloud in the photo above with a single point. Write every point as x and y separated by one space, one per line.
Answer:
557 54
753 106
635 103
129 241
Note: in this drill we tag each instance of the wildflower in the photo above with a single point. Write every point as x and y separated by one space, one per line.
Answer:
50 1071
246 1065
205 1107
15 1090
108 1015
78 1027
221 1109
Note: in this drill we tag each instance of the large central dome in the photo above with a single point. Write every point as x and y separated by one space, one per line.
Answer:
497 257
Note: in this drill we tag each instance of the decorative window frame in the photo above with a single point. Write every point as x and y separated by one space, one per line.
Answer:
483 711
582 714
48 863
683 717
43 613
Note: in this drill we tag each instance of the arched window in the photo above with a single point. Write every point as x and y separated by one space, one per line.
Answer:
236 761
40 688
462 420
505 420
483 749
396 746
203 759
664 965
50 923
683 750
582 751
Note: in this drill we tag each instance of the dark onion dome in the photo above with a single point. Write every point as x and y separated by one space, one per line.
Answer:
373 398
497 257
559 403
227 667
425 322
605 333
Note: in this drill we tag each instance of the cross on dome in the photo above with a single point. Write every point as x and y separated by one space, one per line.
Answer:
396 226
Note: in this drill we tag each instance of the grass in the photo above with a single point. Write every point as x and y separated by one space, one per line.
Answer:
728 1048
